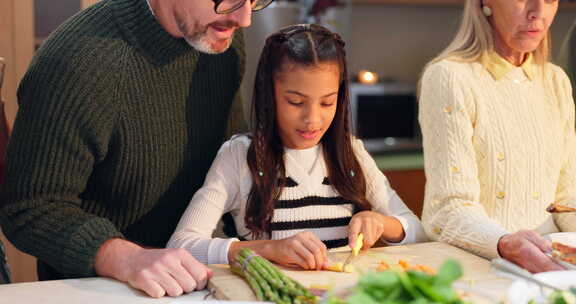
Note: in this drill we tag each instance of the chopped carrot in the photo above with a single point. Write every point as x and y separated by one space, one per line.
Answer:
404 265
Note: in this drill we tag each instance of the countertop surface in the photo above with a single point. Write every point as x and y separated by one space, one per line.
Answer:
85 291
479 282
224 285
399 161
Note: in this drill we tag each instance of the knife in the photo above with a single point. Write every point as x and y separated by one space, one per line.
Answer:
504 266
557 208
355 250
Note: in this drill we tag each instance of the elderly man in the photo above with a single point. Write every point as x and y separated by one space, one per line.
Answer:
121 114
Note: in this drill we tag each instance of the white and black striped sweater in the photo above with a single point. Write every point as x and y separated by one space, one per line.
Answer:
307 202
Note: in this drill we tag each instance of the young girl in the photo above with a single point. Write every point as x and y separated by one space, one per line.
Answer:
299 183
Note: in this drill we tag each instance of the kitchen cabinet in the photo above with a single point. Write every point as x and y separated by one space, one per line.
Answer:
409 185
405 172
17 48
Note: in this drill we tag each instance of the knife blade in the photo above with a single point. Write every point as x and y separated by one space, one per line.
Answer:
355 250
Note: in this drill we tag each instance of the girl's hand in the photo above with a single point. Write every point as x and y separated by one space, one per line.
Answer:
374 225
302 250
370 223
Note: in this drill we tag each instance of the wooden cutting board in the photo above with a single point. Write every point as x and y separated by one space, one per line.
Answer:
477 274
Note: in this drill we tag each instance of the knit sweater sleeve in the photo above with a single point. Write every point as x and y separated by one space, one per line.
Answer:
62 130
566 191
219 194
452 211
385 200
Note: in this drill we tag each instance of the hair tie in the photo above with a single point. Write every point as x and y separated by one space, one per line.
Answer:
338 39
247 261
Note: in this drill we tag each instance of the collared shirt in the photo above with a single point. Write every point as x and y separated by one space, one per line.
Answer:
4 270
150 7
500 67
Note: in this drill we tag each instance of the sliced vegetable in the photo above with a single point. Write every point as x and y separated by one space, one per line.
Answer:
339 267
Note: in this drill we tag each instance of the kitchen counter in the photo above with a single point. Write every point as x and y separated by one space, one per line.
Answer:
400 161
85 291
225 285
482 285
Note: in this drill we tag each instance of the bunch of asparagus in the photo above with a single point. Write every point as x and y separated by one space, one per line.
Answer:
268 282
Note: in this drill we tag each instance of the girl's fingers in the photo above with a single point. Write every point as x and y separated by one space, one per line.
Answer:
301 255
321 253
377 230
314 254
355 229
368 231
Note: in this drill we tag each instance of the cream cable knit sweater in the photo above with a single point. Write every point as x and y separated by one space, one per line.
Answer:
496 153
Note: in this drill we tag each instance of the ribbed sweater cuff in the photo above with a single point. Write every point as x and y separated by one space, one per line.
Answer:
218 250
492 250
78 256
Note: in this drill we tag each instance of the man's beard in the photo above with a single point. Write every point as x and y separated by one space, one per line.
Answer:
199 38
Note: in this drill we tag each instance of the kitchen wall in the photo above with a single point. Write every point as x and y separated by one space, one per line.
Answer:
394 40
397 41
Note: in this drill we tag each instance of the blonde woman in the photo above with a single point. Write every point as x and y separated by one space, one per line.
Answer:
499 142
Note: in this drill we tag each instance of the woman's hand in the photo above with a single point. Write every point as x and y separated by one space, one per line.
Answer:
527 249
302 250
374 226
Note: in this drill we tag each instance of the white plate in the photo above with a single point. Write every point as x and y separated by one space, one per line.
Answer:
521 292
566 238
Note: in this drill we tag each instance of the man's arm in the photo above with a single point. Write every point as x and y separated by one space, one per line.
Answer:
58 137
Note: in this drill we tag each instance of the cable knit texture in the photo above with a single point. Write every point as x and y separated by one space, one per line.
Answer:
496 153
118 125
309 203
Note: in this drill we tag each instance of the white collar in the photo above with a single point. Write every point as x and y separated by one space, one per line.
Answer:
150 7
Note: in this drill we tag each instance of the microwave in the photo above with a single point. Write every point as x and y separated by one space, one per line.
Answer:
385 116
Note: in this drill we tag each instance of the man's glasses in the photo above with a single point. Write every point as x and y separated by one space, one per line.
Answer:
228 6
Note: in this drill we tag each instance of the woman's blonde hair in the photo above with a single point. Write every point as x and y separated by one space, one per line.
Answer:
475 38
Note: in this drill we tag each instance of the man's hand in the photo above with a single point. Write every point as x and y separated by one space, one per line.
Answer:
157 272
527 249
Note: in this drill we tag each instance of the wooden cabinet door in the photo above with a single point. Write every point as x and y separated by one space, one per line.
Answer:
17 48
409 184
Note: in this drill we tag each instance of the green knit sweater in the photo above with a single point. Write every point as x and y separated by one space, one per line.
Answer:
117 127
